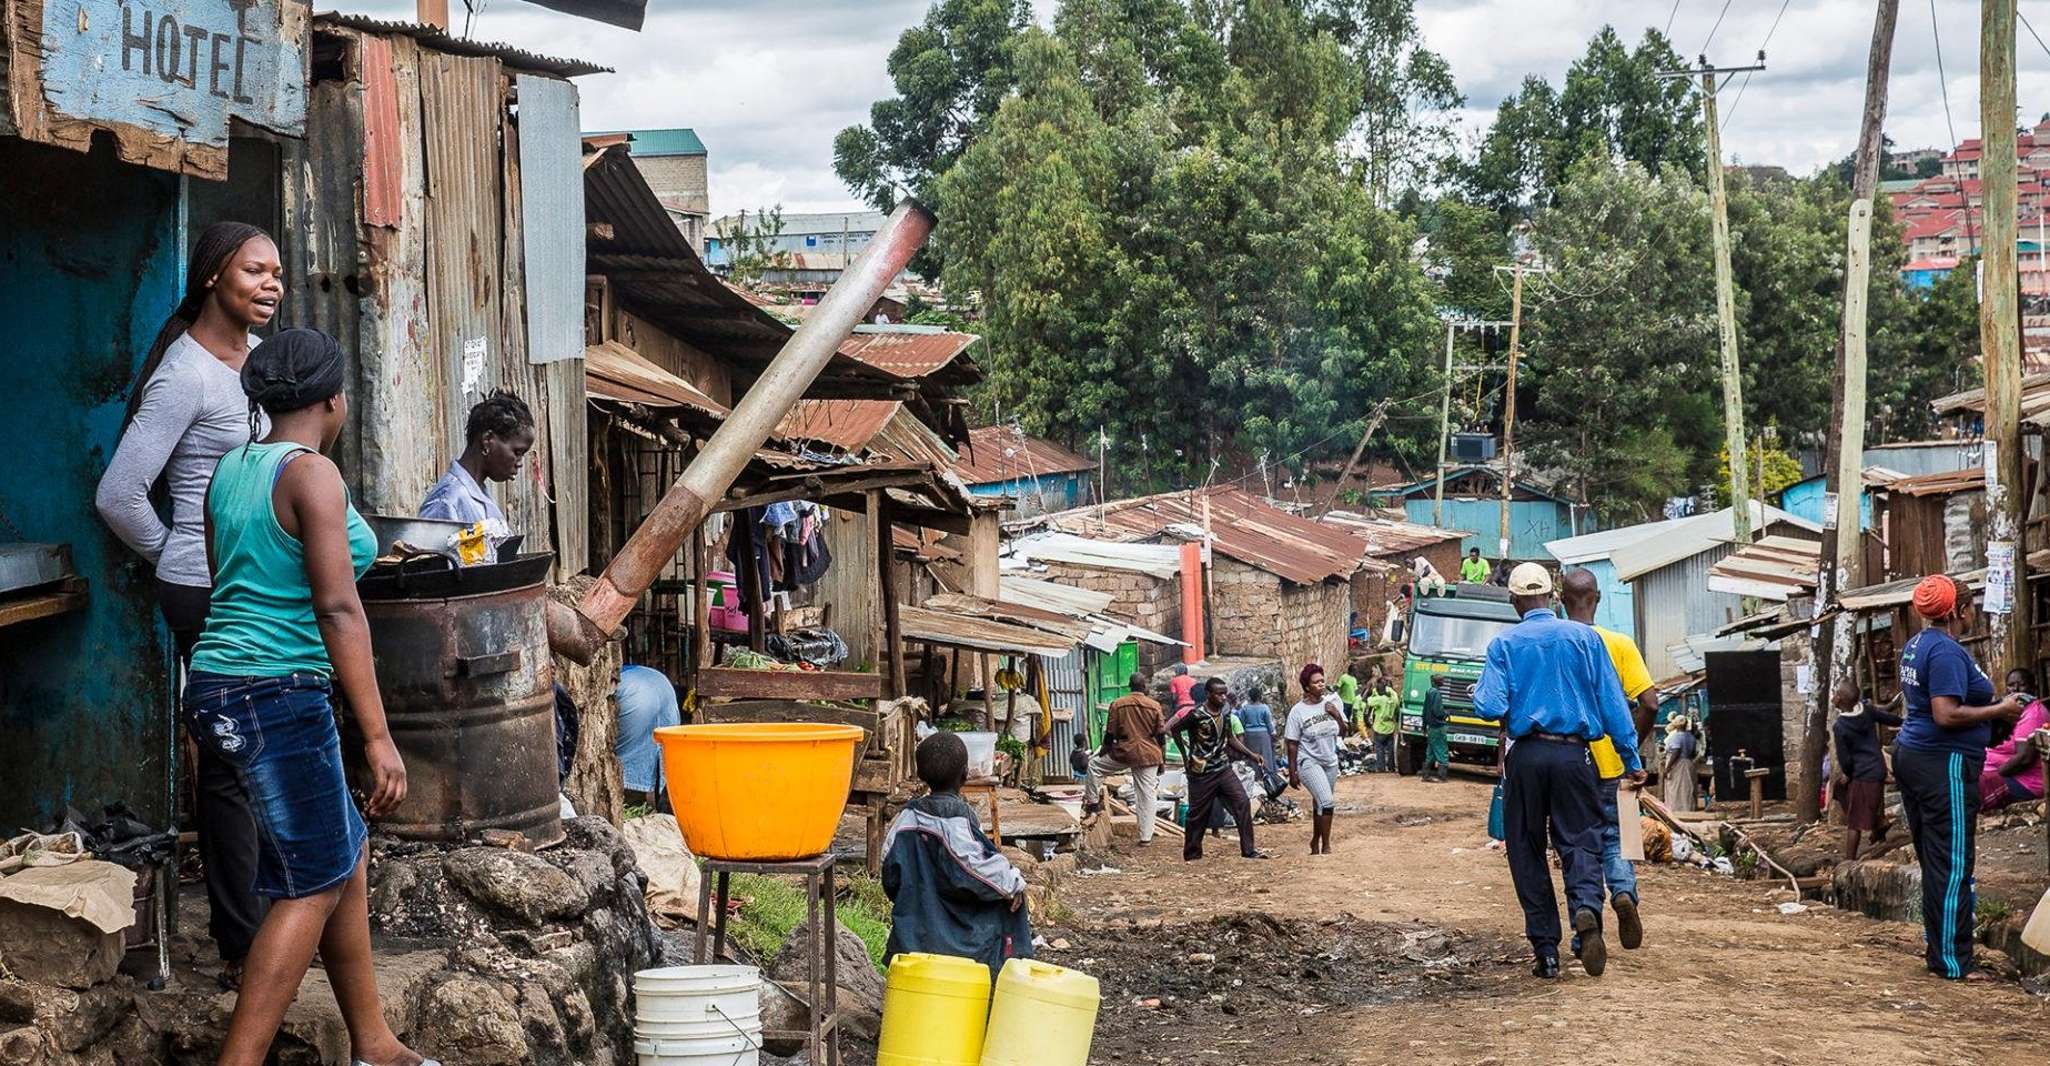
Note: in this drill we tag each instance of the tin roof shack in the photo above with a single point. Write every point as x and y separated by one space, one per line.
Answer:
444 225
1143 581
114 147
1595 553
1473 501
1039 476
1934 523
1668 574
1391 544
1279 584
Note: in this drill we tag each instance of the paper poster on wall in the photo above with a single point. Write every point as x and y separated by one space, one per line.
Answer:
1829 510
473 365
1992 452
2000 577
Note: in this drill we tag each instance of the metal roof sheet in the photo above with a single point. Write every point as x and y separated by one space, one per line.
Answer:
1161 561
1388 536
1005 453
1242 526
1692 536
439 40
1774 568
982 634
845 424
613 371
1589 547
1053 596
908 351
654 143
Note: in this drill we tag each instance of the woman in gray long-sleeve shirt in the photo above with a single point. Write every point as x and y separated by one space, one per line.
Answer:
186 411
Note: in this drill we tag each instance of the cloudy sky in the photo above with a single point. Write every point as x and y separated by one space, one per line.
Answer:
767 83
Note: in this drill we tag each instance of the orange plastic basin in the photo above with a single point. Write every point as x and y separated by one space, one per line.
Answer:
767 792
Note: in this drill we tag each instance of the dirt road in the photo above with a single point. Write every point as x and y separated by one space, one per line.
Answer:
1405 946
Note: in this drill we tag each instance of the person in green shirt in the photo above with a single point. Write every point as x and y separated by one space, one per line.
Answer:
1475 570
1437 756
1355 707
1381 706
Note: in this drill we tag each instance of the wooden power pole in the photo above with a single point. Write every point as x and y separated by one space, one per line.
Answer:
1444 431
2007 602
1509 403
1726 315
1842 553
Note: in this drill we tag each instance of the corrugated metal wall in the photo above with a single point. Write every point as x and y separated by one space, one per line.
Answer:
1673 602
1531 524
1067 685
424 276
1618 610
90 253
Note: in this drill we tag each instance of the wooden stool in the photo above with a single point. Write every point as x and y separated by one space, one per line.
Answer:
987 786
1757 778
821 949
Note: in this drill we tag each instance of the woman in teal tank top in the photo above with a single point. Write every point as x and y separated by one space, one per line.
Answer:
284 631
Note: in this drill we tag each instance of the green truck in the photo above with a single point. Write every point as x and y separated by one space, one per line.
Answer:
1449 635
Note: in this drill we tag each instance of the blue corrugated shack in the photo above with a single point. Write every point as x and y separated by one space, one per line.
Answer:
114 149
1473 500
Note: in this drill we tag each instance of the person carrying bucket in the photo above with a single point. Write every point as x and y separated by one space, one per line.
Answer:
951 892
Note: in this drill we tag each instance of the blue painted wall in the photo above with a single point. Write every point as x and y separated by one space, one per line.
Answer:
1618 608
1803 499
1035 496
89 254
1531 524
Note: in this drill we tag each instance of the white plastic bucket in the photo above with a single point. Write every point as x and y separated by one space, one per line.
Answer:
698 1016
982 753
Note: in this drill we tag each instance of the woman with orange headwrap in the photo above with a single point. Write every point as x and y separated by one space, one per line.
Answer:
1936 763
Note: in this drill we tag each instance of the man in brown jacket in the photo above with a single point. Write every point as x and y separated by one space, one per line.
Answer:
1131 742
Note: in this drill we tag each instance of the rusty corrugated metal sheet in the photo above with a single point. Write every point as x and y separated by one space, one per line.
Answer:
848 425
439 40
912 352
383 155
613 371
1387 537
1003 453
1242 526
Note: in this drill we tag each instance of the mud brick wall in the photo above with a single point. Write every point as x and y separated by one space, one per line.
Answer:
1255 613
1142 600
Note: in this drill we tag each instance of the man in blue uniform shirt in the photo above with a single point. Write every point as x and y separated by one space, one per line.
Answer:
1549 683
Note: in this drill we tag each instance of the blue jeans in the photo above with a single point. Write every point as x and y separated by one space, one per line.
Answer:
277 735
647 702
1620 876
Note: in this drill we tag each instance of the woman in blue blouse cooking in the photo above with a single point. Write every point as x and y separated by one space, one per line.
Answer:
285 629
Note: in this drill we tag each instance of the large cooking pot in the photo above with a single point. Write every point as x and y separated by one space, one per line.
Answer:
469 694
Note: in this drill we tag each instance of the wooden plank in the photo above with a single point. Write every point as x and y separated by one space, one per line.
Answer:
892 596
788 711
850 586
70 596
726 681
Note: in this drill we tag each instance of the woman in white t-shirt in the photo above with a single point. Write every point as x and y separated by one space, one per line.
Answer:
1312 732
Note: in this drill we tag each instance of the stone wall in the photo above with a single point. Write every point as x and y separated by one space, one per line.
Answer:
1257 614
1151 602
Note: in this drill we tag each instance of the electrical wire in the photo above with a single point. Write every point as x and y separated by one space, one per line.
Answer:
1669 21
1718 25
1775 28
2032 30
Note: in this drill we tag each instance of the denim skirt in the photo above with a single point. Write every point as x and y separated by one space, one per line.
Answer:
278 735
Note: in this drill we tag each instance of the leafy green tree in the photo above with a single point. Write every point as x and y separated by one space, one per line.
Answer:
752 245
1929 355
1406 92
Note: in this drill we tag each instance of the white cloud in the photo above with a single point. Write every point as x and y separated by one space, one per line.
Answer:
767 83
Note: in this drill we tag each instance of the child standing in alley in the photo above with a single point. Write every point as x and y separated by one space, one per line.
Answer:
951 892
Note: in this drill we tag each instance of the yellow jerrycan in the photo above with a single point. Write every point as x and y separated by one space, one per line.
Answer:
1044 1016
934 1011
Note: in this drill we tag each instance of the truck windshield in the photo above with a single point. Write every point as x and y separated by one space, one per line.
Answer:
1446 637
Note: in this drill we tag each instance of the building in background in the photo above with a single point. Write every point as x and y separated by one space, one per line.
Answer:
674 163
1038 475
802 257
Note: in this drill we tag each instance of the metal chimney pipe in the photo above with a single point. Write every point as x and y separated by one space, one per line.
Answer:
578 633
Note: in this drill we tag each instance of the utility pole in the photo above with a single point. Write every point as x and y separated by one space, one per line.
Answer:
1444 431
2007 603
1373 423
1509 404
1726 316
1842 554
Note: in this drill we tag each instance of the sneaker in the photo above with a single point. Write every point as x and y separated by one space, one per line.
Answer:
1546 967
1629 927
1594 955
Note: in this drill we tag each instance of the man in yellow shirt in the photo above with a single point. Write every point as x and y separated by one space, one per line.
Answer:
1581 594
1475 570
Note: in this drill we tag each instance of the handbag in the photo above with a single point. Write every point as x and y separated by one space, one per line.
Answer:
1495 828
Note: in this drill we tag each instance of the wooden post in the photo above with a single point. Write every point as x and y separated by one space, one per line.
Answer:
1509 405
1726 320
701 605
2000 335
892 592
1444 432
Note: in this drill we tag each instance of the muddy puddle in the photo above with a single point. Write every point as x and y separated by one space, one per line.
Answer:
1252 988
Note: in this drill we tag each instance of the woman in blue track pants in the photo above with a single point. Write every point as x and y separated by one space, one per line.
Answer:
1937 760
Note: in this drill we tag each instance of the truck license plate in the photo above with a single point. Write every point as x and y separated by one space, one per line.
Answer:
1471 738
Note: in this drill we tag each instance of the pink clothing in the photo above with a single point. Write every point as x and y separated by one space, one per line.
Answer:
1991 785
1184 688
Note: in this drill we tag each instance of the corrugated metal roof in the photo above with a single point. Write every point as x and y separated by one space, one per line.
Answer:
1005 453
908 351
1774 568
1589 547
1694 535
845 424
1942 483
1388 537
438 39
613 371
1241 526
1053 596
1160 561
2035 399
654 143
961 631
